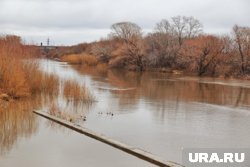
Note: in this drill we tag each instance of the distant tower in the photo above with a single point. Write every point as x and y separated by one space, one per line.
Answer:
48 42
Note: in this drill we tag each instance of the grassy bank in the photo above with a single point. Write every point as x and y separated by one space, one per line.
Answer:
82 59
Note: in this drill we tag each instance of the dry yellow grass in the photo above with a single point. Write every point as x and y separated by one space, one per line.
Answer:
72 59
73 91
83 59
13 79
12 74
19 78
50 84
39 81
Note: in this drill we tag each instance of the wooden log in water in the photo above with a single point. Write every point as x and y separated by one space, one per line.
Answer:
121 146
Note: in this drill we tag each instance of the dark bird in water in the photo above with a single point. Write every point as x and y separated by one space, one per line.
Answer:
84 118
110 113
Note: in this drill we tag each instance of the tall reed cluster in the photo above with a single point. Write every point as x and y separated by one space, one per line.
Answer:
19 73
76 92
41 82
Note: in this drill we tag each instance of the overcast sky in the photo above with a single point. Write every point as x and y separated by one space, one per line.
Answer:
68 22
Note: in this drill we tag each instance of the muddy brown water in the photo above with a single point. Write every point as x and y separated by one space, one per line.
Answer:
160 113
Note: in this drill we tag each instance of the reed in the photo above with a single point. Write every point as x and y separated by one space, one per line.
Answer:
75 91
19 73
12 74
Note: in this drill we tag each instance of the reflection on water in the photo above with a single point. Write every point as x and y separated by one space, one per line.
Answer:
17 121
158 112
164 113
160 87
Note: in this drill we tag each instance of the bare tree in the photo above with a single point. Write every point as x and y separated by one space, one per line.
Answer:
102 50
193 28
202 54
126 31
242 42
186 27
163 26
169 37
131 35
179 27
162 49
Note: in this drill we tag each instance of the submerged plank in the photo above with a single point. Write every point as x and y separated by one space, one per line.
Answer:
121 146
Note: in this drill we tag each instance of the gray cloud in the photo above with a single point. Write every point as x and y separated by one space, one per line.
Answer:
73 21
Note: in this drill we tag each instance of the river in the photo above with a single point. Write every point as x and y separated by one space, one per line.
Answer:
157 112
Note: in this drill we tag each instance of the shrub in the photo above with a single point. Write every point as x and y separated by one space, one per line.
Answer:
19 73
73 91
12 74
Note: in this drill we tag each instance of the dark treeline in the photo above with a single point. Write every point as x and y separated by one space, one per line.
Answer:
176 44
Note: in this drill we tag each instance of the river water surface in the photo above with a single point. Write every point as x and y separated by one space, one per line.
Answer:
159 113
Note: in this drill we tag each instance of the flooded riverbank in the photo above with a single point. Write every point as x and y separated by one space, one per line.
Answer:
160 113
